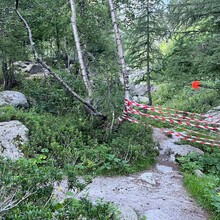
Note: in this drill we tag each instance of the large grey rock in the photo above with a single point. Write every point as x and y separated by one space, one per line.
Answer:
213 115
13 135
139 89
36 68
30 69
175 151
13 98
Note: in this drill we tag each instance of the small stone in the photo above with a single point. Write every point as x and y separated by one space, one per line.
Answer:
198 173
164 169
148 178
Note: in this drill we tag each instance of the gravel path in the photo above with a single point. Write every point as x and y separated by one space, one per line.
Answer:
157 194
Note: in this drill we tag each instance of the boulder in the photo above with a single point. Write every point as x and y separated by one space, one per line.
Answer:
13 98
13 135
138 87
174 151
36 68
30 69
213 115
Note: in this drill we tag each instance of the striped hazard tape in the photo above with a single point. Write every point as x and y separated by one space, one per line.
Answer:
171 120
168 111
177 117
183 136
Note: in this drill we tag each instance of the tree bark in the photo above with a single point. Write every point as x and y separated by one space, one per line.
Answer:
78 48
8 75
120 50
92 109
148 55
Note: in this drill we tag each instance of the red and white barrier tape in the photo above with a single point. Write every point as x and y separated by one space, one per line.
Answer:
200 133
154 108
183 117
137 112
177 134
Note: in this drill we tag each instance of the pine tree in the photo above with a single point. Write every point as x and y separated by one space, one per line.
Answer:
147 27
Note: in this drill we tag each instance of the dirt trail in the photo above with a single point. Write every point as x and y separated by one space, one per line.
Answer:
157 194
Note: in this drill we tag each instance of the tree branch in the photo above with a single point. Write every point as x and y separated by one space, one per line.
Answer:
92 109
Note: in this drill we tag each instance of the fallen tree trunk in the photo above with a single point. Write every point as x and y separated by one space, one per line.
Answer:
91 108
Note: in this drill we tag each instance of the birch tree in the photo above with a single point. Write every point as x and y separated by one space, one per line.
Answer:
120 50
78 47
91 108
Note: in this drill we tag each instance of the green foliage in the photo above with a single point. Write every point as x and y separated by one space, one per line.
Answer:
73 209
36 177
185 98
205 191
71 139
70 209
208 163
206 188
68 144
7 113
143 18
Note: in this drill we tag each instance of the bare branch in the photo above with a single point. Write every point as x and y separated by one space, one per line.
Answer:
64 84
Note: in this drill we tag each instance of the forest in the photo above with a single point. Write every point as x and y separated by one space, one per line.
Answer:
88 53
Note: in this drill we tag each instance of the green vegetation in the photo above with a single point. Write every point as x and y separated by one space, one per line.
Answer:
64 141
176 43
206 187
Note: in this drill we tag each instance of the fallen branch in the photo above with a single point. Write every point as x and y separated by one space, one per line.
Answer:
10 202
91 108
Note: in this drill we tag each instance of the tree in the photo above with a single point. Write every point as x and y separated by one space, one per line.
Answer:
195 50
120 50
11 42
146 28
92 109
79 51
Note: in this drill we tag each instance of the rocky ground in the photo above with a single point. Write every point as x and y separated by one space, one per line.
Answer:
157 194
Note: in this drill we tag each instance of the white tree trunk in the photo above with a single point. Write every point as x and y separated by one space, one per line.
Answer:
78 48
91 108
120 50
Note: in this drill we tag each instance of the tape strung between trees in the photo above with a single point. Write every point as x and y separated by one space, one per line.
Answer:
181 119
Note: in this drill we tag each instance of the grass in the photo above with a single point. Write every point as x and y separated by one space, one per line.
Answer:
203 189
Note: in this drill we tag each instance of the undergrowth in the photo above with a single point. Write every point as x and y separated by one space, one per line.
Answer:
206 188
65 141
